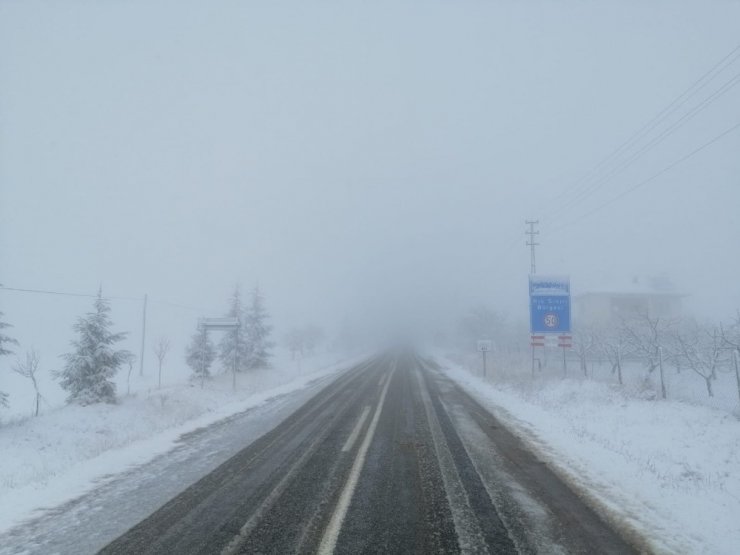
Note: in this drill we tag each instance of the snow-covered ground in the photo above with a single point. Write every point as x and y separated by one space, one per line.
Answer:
69 450
664 470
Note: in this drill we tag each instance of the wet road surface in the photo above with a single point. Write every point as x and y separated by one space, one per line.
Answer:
389 458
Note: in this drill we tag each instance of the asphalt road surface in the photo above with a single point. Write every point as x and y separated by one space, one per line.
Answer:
390 458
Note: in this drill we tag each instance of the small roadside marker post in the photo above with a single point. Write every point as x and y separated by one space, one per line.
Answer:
566 342
484 345
536 341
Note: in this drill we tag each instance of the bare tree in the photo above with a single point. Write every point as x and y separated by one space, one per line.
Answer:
303 341
130 362
645 336
584 344
613 345
28 369
313 336
295 342
161 348
731 340
701 349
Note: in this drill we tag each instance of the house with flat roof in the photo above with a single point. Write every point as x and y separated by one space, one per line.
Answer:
653 296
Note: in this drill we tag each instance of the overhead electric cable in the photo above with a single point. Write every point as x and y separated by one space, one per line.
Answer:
114 298
651 178
48 292
624 164
671 108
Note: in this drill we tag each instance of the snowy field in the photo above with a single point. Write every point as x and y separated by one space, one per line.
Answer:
665 470
68 450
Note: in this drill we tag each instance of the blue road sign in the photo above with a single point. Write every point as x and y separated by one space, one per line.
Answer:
549 304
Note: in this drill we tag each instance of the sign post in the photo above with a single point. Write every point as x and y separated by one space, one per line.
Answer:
484 345
549 311
222 324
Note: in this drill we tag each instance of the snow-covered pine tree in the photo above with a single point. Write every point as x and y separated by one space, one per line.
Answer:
200 355
258 332
5 343
88 371
235 341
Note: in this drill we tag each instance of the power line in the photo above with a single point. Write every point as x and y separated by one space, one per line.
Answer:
66 294
625 163
117 298
652 177
583 185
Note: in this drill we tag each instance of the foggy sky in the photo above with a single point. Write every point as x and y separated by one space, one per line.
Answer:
357 160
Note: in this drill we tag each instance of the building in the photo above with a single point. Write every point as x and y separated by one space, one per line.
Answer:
654 297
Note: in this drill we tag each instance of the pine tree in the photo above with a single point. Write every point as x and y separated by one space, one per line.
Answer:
5 343
200 355
258 332
88 371
235 342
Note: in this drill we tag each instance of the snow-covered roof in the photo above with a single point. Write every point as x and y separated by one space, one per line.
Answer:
637 286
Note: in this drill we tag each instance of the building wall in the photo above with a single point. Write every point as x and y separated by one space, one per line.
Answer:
604 308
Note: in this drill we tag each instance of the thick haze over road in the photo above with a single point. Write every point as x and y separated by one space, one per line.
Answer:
349 156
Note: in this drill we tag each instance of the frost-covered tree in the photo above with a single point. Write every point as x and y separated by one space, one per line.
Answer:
295 342
731 340
28 369
89 370
702 351
233 350
200 355
303 341
258 332
613 345
584 345
5 344
646 337
313 336
480 322
161 348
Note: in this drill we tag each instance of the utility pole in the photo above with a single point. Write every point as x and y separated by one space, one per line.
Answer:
143 339
531 242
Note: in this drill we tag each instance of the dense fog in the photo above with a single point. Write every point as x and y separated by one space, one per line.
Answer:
367 165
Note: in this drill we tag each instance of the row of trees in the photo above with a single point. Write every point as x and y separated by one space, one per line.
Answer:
89 369
658 344
682 344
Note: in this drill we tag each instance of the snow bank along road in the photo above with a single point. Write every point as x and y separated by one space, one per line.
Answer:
390 458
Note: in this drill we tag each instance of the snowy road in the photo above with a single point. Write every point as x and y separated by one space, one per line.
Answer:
391 458
91 521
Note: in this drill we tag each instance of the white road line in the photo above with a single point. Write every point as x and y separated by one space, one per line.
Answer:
331 534
236 542
469 534
356 431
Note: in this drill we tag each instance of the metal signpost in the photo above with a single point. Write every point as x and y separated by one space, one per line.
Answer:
549 311
484 345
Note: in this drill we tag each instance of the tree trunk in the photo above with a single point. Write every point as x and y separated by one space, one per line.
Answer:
735 356
662 380
708 381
